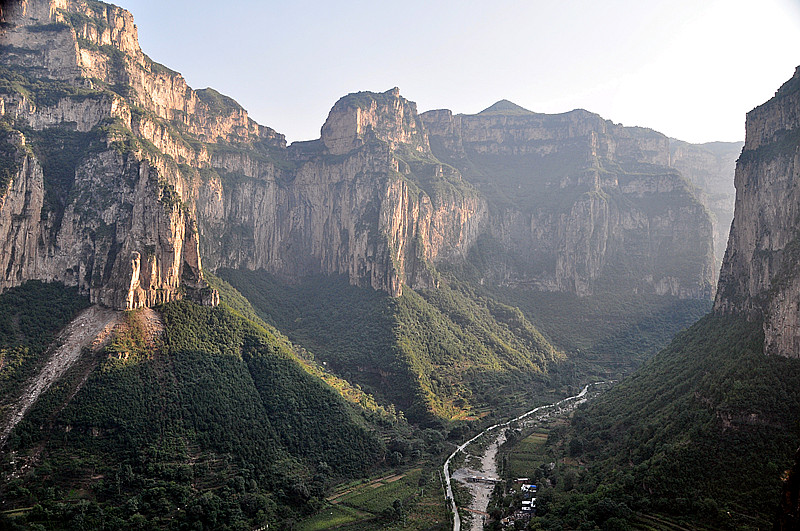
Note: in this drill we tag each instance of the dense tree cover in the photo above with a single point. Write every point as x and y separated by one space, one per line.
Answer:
703 432
435 354
30 317
607 334
231 298
214 425
458 350
351 329
465 350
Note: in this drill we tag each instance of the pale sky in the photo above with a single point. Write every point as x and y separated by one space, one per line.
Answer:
690 69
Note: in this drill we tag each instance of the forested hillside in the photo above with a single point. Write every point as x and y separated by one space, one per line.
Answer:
706 433
702 433
462 350
303 317
441 353
213 422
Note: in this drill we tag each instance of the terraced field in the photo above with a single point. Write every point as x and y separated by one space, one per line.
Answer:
528 454
407 500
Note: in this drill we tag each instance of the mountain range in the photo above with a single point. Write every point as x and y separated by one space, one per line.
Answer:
301 316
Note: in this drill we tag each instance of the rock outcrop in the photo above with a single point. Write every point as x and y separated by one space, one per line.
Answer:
580 203
710 168
119 177
366 200
82 200
760 275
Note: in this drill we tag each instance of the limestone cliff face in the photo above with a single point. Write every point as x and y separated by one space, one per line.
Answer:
366 200
760 276
95 45
83 203
365 115
580 203
710 168
122 177
118 237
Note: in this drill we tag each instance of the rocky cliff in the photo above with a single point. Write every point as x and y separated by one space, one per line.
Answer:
367 199
710 168
119 177
760 275
85 200
580 203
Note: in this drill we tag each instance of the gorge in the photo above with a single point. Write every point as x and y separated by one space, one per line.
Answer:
310 328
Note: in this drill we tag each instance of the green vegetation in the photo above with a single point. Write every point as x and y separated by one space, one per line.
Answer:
607 334
10 162
344 326
218 103
411 499
215 423
529 454
700 435
231 298
331 516
45 28
441 182
784 144
392 488
79 20
159 69
446 352
41 91
30 317
234 300
457 352
466 352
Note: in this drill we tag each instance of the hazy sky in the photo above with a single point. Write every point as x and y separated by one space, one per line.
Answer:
688 68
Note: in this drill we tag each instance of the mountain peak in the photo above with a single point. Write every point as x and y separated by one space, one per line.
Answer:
505 107
388 115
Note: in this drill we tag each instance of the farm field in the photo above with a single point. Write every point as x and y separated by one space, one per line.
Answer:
527 455
407 500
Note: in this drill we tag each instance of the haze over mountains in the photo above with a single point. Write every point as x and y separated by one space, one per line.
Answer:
351 301
593 203
722 402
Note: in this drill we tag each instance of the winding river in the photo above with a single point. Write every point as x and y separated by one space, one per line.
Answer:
545 410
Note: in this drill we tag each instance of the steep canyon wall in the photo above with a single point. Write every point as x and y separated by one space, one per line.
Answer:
580 203
760 275
117 177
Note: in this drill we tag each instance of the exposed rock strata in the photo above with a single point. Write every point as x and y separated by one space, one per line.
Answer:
760 275
710 168
348 204
351 204
162 174
117 238
580 203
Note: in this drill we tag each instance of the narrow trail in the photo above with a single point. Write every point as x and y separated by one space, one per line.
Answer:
91 328
482 494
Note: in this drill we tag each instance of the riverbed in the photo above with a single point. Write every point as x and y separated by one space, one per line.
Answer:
486 457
